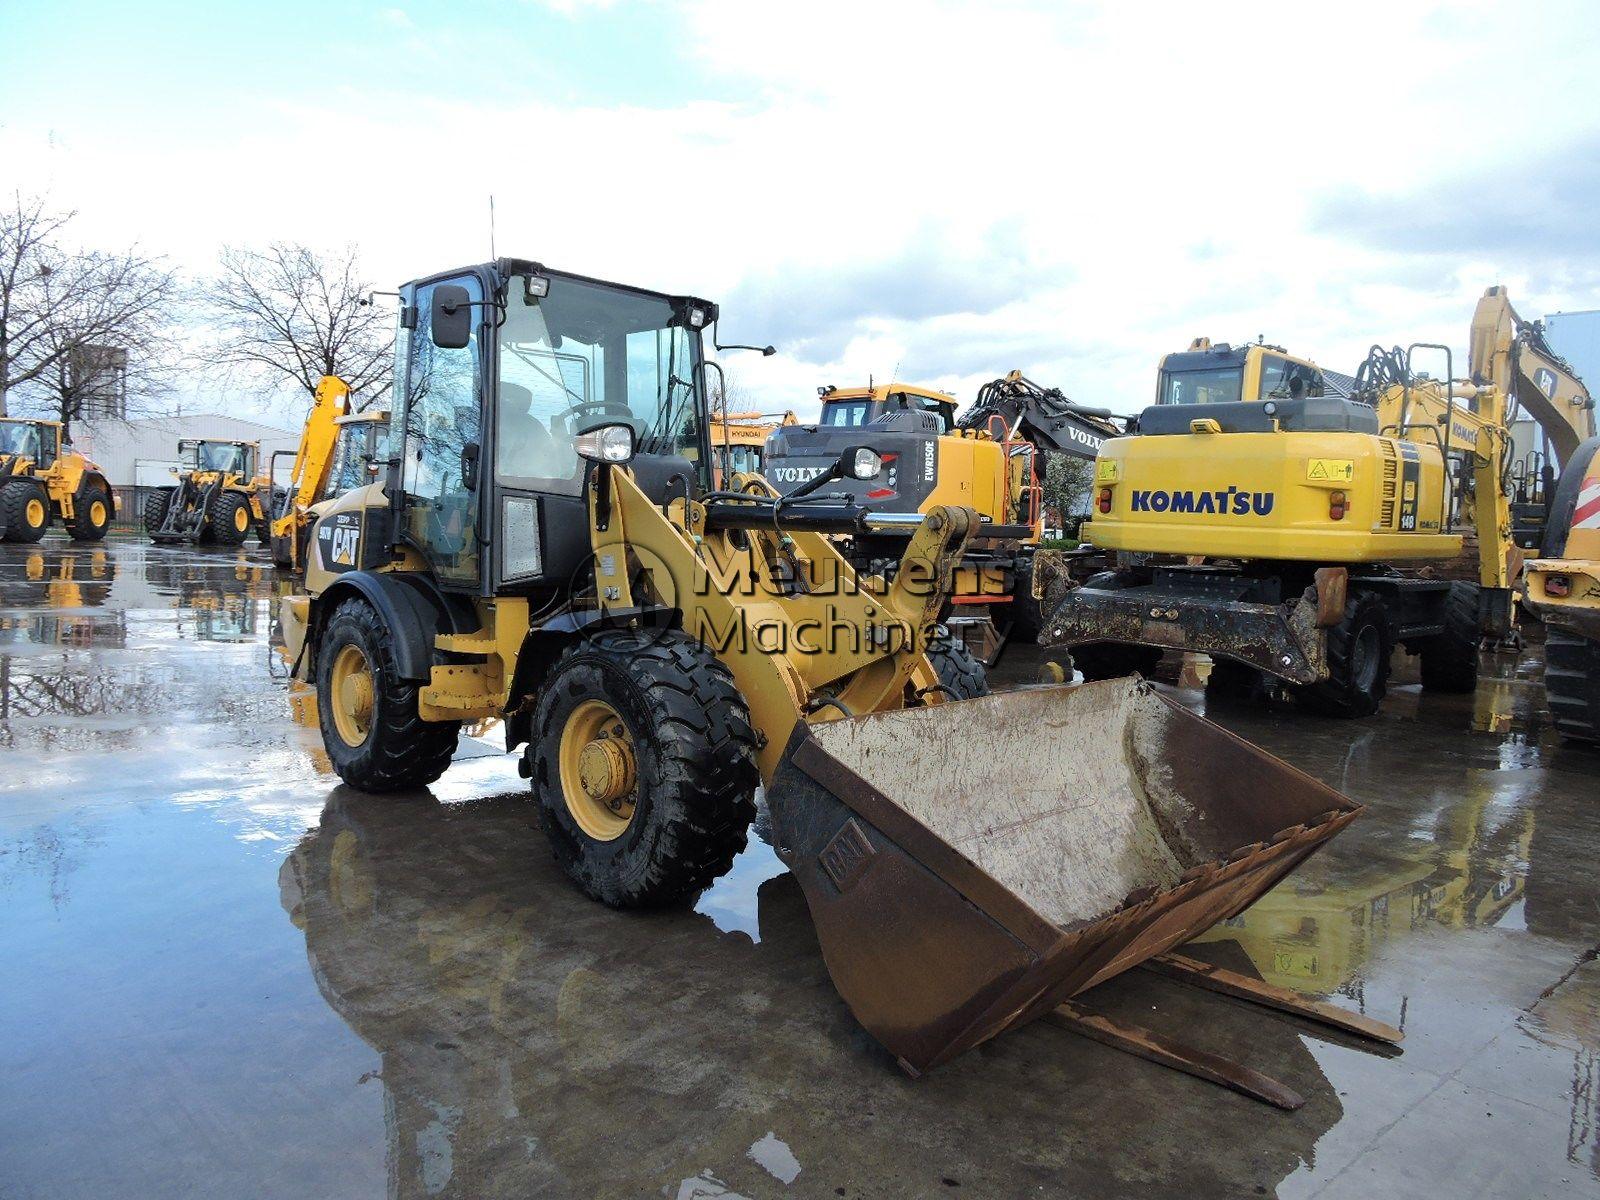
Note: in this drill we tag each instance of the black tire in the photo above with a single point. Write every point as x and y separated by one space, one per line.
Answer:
1113 660
155 509
222 522
90 525
693 766
400 749
1358 662
961 674
1026 617
1449 661
1572 683
24 511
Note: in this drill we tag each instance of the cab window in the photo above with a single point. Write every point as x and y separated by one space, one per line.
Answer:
1220 385
846 412
1282 379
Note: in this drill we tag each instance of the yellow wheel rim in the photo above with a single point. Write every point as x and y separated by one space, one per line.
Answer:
241 519
97 513
350 699
598 777
33 512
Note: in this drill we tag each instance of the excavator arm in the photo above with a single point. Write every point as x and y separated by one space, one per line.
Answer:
1512 355
1043 416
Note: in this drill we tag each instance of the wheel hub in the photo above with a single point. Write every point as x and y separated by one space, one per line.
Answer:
352 695
35 512
598 772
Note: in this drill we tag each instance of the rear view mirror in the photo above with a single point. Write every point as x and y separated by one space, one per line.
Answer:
451 318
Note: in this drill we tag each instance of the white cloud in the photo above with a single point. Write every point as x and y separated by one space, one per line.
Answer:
1071 190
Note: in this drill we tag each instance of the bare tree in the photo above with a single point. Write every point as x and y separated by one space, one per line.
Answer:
73 323
112 339
291 313
28 257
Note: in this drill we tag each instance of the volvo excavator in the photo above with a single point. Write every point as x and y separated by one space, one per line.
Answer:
1320 531
991 457
548 548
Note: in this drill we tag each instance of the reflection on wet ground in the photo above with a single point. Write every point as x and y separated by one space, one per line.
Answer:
228 976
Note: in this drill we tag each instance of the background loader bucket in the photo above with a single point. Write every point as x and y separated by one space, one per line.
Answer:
971 866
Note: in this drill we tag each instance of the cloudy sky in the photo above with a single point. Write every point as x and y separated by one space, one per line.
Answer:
947 189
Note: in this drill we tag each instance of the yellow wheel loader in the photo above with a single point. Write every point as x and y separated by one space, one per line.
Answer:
1563 589
338 451
549 549
43 481
1299 524
739 440
220 499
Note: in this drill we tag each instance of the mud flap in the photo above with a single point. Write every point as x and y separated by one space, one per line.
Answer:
971 866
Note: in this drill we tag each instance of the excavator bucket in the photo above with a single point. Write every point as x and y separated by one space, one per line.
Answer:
971 866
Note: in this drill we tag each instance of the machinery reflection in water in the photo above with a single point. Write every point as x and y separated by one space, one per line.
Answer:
530 1043
1462 866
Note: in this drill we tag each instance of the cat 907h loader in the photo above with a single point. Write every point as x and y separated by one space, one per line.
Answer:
549 549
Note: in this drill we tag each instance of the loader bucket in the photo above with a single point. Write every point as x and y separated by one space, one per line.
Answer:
970 866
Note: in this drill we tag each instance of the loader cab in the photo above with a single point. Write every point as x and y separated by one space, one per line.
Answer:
361 444
499 367
880 406
1224 374
223 458
33 442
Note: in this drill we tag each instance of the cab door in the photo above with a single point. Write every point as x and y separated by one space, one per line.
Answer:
440 438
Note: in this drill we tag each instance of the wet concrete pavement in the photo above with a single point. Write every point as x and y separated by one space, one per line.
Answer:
227 976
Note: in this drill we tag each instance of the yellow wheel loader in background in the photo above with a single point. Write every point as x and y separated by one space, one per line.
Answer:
338 451
739 440
549 550
1563 589
42 481
219 499
1314 515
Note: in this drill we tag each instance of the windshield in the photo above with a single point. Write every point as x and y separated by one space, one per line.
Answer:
19 437
584 355
846 412
220 456
1222 385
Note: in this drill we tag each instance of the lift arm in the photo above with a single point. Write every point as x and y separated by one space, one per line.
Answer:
314 458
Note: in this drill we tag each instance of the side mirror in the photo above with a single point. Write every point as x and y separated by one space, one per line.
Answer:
450 324
614 443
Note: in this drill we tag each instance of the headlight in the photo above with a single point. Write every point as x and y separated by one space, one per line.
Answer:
866 464
607 443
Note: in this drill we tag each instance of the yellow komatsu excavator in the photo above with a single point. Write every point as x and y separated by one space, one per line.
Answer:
548 548
338 450
1304 516
42 481
1563 588
218 499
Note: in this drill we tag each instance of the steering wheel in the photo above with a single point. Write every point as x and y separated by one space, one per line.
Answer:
575 417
